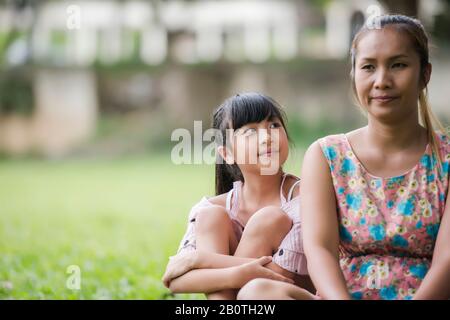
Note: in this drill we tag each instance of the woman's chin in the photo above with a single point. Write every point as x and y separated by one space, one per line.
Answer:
385 113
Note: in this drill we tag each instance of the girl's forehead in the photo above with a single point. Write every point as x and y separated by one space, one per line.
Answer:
387 42
268 119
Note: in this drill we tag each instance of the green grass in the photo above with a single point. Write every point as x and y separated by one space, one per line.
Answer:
118 220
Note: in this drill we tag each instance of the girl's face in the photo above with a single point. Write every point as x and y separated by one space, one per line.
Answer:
387 74
261 146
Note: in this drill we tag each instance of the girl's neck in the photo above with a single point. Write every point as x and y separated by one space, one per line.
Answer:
259 189
394 137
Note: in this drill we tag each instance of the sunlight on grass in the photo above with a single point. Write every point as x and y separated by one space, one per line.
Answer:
118 220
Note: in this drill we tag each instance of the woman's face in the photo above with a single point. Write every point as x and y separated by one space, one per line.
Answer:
387 74
261 146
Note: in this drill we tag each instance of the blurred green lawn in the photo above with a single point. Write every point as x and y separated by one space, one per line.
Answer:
118 220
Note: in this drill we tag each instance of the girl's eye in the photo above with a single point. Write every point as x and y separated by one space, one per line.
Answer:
249 131
275 125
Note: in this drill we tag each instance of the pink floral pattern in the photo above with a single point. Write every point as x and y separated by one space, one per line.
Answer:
387 226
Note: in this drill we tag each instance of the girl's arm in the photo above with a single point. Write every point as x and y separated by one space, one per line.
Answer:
205 281
211 260
320 226
233 277
186 261
436 284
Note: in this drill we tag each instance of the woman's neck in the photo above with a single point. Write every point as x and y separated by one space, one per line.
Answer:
394 137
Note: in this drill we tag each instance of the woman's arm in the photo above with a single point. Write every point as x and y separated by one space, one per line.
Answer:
233 277
320 226
436 284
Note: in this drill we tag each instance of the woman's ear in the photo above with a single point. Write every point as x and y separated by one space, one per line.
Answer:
226 155
427 75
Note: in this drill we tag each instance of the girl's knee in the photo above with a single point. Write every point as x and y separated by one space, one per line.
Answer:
256 289
270 217
260 289
212 217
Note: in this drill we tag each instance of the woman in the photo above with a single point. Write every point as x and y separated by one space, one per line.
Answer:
375 201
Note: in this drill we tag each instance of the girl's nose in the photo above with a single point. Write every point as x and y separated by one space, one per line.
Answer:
264 136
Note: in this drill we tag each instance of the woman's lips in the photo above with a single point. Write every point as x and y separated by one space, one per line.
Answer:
384 99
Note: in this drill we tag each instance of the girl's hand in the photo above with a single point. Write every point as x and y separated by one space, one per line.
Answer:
178 265
257 269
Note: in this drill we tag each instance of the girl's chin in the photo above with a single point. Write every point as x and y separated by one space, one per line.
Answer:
269 157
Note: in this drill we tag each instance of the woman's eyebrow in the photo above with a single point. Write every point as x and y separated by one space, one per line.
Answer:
368 59
398 56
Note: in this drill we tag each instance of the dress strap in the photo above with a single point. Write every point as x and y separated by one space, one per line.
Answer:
291 190
228 202
233 198
334 149
283 199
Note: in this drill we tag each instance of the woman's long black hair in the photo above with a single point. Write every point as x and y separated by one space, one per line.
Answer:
234 113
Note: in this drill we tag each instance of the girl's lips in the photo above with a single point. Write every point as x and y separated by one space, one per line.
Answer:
267 153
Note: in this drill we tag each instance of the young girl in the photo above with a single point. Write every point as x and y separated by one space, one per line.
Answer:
253 215
376 216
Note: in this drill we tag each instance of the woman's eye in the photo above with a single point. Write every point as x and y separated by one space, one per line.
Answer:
368 67
398 65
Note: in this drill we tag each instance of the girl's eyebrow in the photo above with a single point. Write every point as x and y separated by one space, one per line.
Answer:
244 127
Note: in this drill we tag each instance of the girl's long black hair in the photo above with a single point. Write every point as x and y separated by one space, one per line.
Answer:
234 113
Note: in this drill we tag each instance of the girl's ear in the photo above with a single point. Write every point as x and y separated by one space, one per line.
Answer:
427 75
226 155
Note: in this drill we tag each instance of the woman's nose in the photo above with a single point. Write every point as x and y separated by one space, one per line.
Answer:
382 79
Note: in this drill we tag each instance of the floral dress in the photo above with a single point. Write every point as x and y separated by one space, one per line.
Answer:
387 226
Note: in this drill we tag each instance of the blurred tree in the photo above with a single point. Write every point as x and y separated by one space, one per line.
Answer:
16 92
320 3
16 28
406 7
442 23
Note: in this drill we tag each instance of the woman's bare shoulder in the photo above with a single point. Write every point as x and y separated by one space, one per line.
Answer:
355 135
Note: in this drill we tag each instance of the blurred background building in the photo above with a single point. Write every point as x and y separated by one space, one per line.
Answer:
90 92
109 77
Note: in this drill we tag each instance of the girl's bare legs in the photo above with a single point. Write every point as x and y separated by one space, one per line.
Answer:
214 233
263 234
265 289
